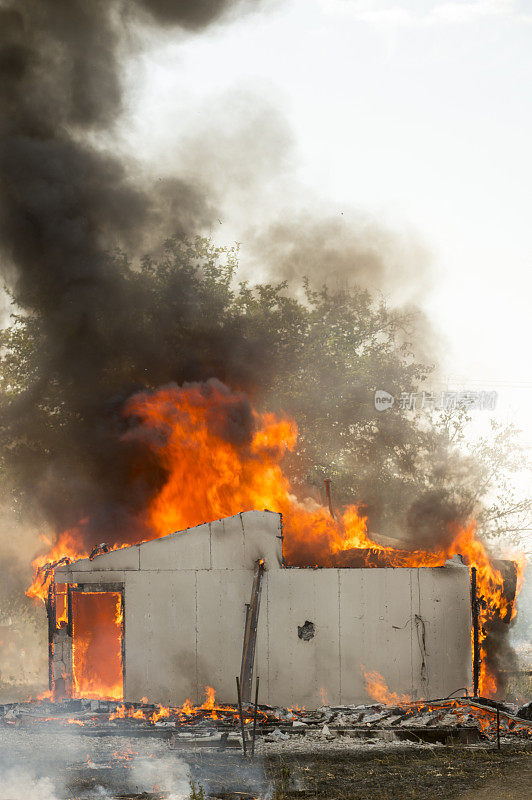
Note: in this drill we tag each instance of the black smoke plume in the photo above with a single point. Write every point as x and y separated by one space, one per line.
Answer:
65 202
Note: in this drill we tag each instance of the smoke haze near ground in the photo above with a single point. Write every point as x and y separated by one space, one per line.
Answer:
38 766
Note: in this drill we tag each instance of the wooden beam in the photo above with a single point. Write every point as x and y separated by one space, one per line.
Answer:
250 633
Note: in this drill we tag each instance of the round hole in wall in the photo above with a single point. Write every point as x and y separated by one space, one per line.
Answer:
306 632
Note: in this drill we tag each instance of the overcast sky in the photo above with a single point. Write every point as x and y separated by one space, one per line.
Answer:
415 113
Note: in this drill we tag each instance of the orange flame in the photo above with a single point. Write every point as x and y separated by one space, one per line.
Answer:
185 710
161 713
377 688
69 545
97 652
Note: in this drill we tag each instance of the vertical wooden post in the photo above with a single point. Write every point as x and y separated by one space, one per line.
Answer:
50 613
244 748
123 642
327 482
250 634
70 622
255 717
476 644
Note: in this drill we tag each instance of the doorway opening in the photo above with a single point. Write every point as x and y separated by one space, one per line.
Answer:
98 644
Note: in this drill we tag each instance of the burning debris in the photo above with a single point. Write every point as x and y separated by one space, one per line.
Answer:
461 720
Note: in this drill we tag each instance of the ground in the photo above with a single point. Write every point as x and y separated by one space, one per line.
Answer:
422 774
44 766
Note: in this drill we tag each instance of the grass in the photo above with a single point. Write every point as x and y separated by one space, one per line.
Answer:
417 775
196 794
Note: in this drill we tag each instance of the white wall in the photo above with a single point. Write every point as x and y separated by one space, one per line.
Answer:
365 620
185 597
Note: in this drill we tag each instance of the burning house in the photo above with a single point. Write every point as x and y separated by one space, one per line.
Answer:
312 604
163 618
160 398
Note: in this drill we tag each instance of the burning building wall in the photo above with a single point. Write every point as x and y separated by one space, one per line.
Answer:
319 632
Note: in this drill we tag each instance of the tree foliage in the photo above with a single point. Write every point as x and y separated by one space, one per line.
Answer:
318 358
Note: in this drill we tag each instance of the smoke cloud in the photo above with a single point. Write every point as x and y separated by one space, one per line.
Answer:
68 204
65 203
69 207
240 148
17 783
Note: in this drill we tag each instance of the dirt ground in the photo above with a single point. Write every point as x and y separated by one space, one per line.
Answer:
464 774
511 788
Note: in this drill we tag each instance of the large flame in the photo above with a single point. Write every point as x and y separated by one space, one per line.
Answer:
377 688
97 638
222 457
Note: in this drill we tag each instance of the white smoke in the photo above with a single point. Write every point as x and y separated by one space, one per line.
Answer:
16 783
32 767
169 775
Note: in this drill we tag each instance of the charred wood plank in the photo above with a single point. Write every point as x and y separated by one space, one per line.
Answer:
476 642
250 634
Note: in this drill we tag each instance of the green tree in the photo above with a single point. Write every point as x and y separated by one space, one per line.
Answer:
185 316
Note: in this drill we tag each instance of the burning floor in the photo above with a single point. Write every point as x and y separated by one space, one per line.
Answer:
82 749
465 719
